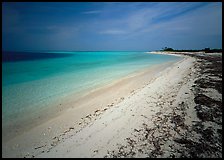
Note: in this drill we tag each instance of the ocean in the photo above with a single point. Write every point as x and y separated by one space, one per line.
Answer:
32 81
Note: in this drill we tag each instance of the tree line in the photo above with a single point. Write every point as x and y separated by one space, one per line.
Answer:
206 50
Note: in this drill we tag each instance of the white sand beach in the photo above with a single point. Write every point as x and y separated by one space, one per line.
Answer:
118 120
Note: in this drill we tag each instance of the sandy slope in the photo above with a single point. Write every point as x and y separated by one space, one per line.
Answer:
74 114
117 124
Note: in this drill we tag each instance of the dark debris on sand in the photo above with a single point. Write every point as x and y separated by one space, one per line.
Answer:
201 139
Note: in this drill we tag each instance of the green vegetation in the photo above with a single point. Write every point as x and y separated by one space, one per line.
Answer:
168 49
206 50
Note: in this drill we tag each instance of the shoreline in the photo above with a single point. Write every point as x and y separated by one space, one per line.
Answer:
176 113
71 111
51 109
54 109
116 124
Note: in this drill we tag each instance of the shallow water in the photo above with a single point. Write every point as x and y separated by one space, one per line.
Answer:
32 82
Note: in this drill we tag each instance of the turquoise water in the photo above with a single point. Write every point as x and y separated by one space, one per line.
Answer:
30 85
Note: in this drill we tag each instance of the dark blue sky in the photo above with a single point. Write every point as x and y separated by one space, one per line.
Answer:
111 26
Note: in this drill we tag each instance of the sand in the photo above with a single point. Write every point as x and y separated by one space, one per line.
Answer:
150 114
22 142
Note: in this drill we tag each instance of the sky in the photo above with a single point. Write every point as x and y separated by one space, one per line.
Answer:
110 26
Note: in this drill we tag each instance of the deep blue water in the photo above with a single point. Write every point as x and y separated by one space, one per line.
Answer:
10 56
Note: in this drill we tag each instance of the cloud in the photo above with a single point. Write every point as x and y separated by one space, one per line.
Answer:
176 18
113 32
112 24
92 12
179 25
140 18
205 20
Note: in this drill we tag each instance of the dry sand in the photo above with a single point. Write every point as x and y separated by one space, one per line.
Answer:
151 114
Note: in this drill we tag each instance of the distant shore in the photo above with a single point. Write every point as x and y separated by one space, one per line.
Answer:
172 110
